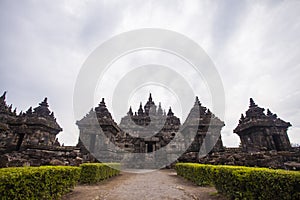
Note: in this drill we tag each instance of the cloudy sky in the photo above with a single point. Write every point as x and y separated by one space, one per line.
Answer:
254 45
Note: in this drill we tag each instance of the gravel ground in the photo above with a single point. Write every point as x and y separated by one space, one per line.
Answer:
161 184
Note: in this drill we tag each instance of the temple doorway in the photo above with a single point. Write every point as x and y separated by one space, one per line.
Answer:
20 140
150 147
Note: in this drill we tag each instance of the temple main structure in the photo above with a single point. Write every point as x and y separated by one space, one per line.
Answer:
151 128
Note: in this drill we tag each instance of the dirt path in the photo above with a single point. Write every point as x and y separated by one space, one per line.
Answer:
162 184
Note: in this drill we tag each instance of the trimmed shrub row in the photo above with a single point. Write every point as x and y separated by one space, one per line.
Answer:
96 172
238 182
50 182
47 182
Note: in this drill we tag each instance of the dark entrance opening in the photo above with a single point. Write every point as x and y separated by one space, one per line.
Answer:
20 140
150 147
277 142
92 143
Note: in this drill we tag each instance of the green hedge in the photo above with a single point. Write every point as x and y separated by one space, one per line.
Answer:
95 172
47 182
244 182
198 174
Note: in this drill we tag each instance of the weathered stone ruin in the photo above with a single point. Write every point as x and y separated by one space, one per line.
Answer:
259 131
264 142
30 138
208 133
149 130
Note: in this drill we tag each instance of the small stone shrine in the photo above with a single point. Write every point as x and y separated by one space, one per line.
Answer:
30 138
259 131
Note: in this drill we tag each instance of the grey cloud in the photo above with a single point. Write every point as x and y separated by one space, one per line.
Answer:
255 46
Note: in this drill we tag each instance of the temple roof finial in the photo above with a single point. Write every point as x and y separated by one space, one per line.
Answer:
130 111
197 102
269 113
29 111
52 115
150 97
252 103
44 103
208 112
3 95
140 110
170 113
242 116
15 111
159 110
102 103
42 109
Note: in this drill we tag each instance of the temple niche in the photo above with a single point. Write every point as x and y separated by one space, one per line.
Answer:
261 132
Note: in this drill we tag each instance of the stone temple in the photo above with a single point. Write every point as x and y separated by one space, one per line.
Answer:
30 138
259 131
264 140
150 129
35 127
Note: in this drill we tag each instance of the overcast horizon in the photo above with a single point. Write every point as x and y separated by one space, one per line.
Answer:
254 45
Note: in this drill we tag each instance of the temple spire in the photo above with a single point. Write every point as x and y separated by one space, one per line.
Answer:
2 99
242 118
102 112
52 115
208 112
159 110
197 102
29 111
130 111
42 109
269 113
170 113
3 96
150 98
252 103
44 103
102 103
141 111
